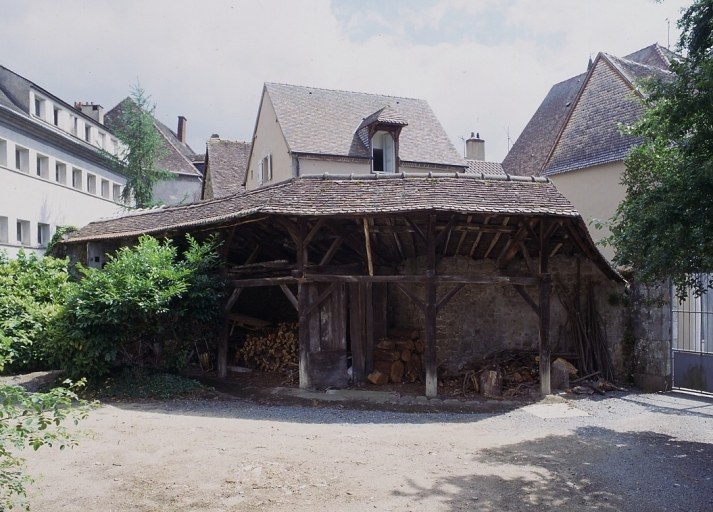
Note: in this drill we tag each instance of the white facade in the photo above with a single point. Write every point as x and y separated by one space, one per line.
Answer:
51 170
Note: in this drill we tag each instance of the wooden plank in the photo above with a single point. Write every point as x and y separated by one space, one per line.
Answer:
369 327
448 296
446 231
253 255
495 239
313 232
367 245
415 228
545 289
526 296
290 296
357 334
328 369
319 299
379 303
333 321
431 312
331 251
439 279
464 235
476 242
303 301
415 298
313 319
231 300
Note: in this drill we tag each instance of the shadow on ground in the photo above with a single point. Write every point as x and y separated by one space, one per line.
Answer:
593 469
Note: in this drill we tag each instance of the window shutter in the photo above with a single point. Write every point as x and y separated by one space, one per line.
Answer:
260 172
269 167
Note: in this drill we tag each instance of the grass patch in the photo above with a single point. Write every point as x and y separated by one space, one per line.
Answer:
143 383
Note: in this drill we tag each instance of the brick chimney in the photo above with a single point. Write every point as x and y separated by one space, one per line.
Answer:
182 126
96 112
475 147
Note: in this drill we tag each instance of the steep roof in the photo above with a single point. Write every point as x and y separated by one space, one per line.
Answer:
326 122
482 167
227 164
177 156
577 125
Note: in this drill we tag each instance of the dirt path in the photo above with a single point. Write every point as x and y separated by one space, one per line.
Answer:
631 452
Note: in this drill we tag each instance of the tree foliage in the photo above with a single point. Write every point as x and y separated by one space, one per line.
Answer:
32 420
143 148
147 306
31 293
664 227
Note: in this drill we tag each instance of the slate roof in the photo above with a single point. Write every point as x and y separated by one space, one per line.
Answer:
482 167
227 165
325 122
576 126
177 157
346 196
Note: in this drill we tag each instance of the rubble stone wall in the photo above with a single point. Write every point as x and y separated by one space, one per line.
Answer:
484 319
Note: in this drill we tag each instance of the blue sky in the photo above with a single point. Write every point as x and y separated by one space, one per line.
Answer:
483 65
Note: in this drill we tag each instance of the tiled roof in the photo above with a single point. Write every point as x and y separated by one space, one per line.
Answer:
530 151
487 168
177 156
577 125
592 135
342 195
227 164
321 121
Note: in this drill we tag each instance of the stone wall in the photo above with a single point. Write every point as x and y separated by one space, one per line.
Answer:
484 319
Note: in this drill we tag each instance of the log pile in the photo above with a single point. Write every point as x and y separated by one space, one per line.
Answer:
271 350
398 360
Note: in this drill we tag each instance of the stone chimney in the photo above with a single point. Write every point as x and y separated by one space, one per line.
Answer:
96 112
475 147
182 127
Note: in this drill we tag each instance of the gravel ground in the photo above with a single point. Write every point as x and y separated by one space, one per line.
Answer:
624 451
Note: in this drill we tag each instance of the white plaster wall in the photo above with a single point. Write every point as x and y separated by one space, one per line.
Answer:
26 196
268 139
595 192
310 166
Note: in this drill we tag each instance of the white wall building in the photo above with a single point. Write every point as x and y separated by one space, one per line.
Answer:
52 171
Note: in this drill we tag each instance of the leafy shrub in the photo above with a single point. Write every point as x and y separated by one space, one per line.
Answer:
31 293
142 383
145 307
32 420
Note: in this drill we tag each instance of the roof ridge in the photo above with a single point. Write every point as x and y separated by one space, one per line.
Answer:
345 91
635 63
418 175
197 172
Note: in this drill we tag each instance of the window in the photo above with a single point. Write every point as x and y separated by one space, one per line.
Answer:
115 146
22 159
116 193
77 178
43 166
105 188
75 125
91 184
265 169
60 173
87 133
23 232
383 152
43 234
3 152
39 107
3 230
102 140
55 118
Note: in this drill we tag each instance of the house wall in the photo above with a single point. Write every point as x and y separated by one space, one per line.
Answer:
268 140
35 200
595 192
181 190
483 319
313 166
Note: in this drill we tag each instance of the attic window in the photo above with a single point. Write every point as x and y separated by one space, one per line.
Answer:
383 152
265 169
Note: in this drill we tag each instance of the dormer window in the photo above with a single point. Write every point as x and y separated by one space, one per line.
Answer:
383 152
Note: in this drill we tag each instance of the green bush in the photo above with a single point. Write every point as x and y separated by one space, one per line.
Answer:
31 293
146 307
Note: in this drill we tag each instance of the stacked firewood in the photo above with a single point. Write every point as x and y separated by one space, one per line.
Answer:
398 360
271 350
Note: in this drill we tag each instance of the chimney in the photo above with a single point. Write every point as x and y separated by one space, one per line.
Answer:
96 112
475 147
182 126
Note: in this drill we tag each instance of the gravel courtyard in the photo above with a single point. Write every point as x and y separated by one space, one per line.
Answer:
623 451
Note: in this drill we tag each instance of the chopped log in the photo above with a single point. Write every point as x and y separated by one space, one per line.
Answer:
420 346
386 355
559 376
386 344
397 372
413 368
491 383
405 355
571 369
383 366
405 345
377 378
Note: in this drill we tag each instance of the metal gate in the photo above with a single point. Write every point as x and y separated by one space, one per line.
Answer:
692 345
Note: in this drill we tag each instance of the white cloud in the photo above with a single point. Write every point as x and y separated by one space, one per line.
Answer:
483 66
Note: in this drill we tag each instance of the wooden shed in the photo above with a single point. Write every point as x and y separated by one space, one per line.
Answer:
334 244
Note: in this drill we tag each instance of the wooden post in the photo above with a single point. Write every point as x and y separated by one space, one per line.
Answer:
431 311
222 360
303 304
545 289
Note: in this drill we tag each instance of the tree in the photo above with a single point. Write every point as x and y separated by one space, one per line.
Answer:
664 227
32 420
143 148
